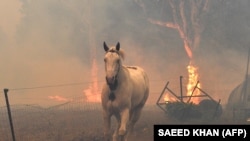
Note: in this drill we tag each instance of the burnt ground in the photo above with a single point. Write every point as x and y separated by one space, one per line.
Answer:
87 124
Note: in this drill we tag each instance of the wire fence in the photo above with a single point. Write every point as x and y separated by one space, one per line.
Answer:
57 123
67 121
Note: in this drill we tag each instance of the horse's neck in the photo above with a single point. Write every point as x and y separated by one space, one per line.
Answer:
122 74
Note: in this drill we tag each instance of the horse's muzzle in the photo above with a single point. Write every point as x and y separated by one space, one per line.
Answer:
110 80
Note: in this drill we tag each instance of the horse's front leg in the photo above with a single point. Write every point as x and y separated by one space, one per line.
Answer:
107 124
116 135
124 122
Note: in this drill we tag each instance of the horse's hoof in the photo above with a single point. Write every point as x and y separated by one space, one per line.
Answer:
122 132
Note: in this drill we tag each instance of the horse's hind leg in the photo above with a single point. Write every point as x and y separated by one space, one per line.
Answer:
135 115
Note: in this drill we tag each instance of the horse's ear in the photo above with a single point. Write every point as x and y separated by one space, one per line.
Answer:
118 46
106 48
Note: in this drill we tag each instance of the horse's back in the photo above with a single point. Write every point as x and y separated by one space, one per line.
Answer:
138 73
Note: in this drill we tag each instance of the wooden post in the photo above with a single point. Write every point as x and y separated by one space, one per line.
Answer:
9 114
181 88
244 95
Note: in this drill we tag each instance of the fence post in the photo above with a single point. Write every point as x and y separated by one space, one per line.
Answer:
9 114
181 88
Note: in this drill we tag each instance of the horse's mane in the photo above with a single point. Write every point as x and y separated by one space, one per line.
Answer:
121 53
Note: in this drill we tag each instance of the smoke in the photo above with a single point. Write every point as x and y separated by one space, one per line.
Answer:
52 42
10 16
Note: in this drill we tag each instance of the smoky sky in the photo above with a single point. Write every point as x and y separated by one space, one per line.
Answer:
50 42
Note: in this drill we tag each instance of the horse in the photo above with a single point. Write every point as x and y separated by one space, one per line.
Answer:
123 95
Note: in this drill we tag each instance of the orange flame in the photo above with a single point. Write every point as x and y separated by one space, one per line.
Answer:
192 83
92 93
192 70
168 98
59 98
193 77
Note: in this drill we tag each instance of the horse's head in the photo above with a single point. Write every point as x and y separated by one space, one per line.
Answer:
112 61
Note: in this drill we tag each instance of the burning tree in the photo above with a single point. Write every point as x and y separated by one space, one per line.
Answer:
187 20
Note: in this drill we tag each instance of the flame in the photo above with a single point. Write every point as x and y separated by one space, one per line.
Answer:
192 69
59 98
193 78
168 97
92 93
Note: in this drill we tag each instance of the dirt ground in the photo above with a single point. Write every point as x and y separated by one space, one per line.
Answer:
73 124
144 128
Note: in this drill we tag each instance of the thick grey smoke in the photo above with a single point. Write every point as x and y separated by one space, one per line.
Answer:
51 42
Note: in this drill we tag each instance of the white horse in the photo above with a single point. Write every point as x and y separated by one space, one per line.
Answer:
123 95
